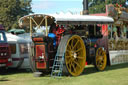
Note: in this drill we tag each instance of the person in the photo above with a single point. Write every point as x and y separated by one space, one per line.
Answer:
52 28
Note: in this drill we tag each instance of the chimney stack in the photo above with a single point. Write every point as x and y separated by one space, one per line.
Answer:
85 7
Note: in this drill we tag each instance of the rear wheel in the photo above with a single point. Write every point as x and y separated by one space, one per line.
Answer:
100 59
75 55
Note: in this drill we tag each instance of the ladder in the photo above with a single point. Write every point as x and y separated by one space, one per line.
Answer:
58 63
57 67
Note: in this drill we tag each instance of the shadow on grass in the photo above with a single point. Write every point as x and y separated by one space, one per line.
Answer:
4 79
11 71
88 70
92 69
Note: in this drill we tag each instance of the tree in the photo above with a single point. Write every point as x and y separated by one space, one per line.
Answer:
98 6
12 10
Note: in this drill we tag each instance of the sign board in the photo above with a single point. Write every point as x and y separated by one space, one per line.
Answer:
118 57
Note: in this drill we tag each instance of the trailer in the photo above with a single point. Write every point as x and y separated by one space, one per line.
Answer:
5 58
117 36
68 42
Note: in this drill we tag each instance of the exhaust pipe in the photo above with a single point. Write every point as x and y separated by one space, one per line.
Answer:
85 7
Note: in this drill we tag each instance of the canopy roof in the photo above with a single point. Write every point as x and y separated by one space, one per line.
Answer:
37 19
64 19
83 19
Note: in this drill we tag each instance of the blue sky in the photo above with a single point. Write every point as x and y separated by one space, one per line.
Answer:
53 6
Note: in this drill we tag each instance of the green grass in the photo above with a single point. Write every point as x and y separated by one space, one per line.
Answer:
113 75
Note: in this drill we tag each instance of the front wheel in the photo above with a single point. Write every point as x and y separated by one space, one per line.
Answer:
100 59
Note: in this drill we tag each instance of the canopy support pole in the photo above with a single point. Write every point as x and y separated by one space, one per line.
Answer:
38 25
95 29
30 26
111 31
46 25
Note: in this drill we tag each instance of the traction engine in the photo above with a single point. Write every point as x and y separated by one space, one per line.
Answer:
67 44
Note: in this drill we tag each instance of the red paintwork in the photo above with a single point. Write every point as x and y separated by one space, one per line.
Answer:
39 50
9 64
4 60
58 31
38 39
4 48
86 63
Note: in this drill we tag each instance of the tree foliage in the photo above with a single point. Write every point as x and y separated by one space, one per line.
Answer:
99 6
12 10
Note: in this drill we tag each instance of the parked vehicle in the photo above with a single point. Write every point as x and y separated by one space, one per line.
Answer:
19 51
5 53
68 42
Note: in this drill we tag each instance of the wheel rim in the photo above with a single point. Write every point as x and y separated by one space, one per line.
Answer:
101 59
75 55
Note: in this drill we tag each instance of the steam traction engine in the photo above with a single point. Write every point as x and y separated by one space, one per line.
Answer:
66 43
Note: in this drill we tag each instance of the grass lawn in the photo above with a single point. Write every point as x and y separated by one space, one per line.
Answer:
113 75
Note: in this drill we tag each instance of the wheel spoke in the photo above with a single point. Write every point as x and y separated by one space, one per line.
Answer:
68 53
97 58
70 65
73 67
72 43
78 57
68 50
69 47
103 53
76 44
99 64
100 52
68 61
77 64
78 49
68 56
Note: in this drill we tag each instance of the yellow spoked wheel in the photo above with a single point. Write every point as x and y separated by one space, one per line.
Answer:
101 59
75 55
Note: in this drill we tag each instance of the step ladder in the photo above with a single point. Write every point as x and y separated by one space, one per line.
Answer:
57 67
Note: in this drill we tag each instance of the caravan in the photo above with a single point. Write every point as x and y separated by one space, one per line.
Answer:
19 51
